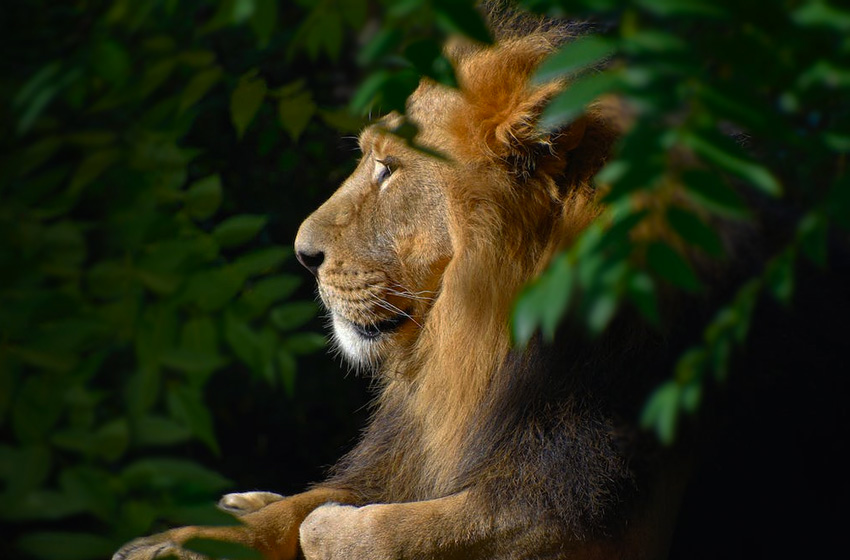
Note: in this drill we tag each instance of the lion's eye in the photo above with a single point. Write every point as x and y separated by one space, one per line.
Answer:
383 169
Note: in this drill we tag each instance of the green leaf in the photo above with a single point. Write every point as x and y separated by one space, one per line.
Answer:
779 276
682 7
19 481
191 361
813 232
237 230
574 57
287 368
304 343
712 193
203 197
187 405
264 21
152 429
821 14
35 409
640 290
109 442
173 475
92 488
571 103
664 261
661 412
198 87
66 546
383 42
221 549
460 16
270 290
754 173
212 289
242 340
111 62
694 231
92 167
295 113
262 261
245 102
290 316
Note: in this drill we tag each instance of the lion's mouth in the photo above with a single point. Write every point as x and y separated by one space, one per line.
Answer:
375 330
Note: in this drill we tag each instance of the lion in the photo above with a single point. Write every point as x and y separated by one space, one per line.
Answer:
475 449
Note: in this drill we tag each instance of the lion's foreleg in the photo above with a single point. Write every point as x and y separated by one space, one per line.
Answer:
272 529
449 527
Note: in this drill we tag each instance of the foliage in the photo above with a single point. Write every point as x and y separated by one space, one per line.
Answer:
726 94
136 264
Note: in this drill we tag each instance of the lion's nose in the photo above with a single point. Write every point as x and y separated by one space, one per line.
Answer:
309 248
311 260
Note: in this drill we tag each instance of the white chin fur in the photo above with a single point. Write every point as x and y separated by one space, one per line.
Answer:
361 352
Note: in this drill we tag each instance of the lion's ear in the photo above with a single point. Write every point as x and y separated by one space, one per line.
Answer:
528 150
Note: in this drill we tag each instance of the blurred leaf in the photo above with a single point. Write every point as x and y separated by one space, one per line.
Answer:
304 343
295 113
754 173
287 367
543 303
571 103
574 57
384 42
264 21
36 463
198 87
92 488
236 230
460 16
34 413
682 7
212 289
173 475
242 340
221 549
262 261
712 193
813 234
66 546
91 168
245 102
187 405
641 292
779 276
270 290
820 14
109 442
694 231
159 430
111 61
203 197
661 411
671 266
290 316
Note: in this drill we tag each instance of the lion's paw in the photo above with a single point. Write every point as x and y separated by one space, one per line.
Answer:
157 546
241 503
336 532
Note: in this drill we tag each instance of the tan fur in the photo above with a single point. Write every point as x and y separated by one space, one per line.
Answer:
449 243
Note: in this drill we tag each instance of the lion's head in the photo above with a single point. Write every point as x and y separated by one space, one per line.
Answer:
416 252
